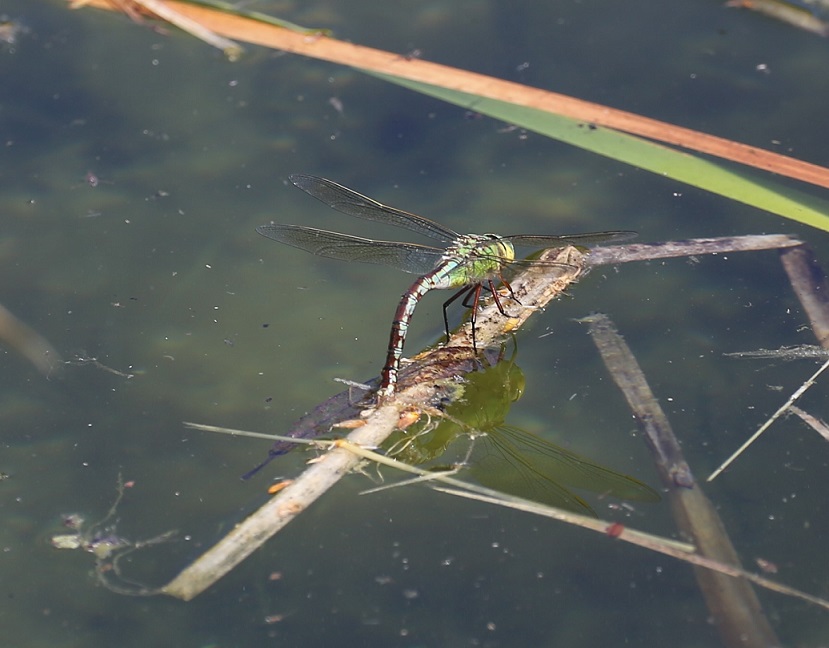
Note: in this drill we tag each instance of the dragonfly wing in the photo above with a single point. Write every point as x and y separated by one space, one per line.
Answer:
593 238
504 470
408 257
550 462
352 203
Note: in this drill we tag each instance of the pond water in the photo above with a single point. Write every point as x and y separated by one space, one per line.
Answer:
136 165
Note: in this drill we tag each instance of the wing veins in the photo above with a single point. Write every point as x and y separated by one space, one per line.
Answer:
408 257
350 202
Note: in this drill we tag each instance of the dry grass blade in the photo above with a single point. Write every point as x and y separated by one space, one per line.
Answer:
389 63
787 12
162 10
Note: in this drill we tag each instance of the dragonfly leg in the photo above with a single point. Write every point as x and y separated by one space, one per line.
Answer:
463 292
511 293
491 288
475 293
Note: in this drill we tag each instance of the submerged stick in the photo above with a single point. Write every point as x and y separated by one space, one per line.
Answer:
28 343
731 601
809 284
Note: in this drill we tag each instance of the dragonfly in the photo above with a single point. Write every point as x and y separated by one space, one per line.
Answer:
468 263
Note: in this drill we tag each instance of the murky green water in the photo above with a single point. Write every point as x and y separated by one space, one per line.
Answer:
157 272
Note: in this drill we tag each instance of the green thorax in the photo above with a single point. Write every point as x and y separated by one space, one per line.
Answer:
473 258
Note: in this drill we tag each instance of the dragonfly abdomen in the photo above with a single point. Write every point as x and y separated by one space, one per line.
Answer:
400 327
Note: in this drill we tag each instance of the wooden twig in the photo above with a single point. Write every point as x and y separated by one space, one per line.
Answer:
787 353
248 536
534 289
809 284
691 247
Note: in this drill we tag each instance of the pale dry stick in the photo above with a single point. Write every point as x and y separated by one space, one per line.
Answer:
534 288
645 540
690 247
797 394
256 529
253 435
475 491
809 284
799 352
680 550
232 50
674 548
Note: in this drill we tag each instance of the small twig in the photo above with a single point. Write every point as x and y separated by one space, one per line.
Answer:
797 394
277 512
654 543
813 422
81 360
255 435
801 352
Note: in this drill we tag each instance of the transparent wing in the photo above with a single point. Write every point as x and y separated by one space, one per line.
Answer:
547 241
352 203
408 257
552 466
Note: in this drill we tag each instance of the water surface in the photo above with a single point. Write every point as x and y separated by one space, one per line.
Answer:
156 272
